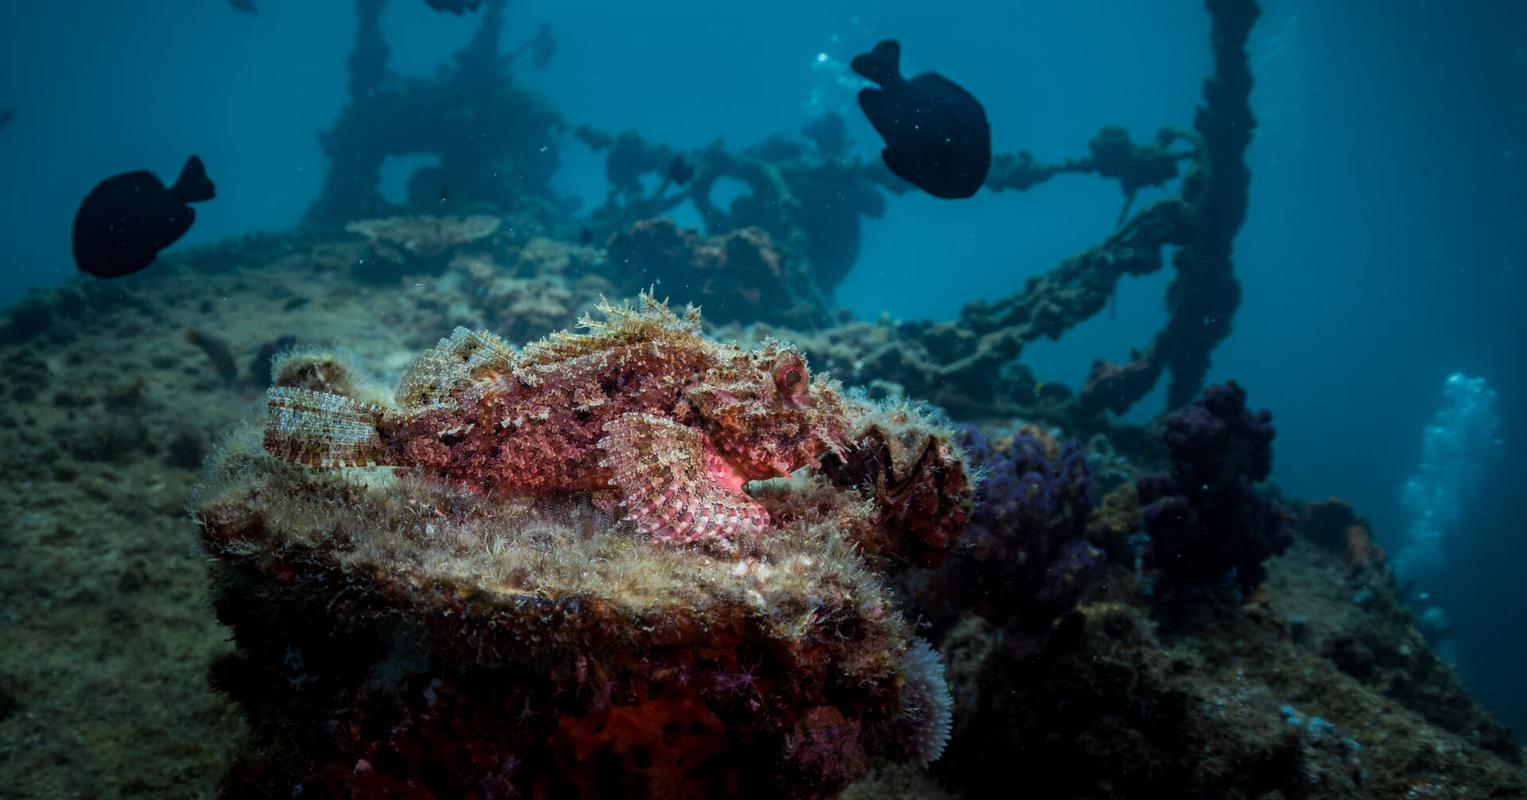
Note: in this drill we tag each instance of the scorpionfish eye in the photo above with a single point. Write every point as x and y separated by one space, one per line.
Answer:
790 377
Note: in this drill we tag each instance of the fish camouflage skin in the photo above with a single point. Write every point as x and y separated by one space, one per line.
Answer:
642 406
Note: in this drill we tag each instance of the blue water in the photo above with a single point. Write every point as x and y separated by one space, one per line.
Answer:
1382 251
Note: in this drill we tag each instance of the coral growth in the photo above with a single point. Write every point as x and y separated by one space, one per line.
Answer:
656 747
963 364
399 246
809 207
1207 522
1136 166
916 476
320 369
446 114
402 634
739 276
425 236
539 290
1333 525
1026 557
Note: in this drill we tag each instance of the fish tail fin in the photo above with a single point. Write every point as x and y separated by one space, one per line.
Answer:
323 430
882 64
193 185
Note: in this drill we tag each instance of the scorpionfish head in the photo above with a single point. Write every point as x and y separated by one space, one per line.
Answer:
765 415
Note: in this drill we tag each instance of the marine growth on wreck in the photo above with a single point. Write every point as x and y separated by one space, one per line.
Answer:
518 609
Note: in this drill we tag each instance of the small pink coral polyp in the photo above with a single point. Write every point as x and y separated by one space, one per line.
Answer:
641 405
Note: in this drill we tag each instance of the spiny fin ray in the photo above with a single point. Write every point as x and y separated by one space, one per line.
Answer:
649 321
663 474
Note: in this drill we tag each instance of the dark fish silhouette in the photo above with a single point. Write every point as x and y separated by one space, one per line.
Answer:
454 6
246 6
127 219
936 134
680 170
5 117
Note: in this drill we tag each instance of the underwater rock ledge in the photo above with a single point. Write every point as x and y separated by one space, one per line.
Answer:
396 634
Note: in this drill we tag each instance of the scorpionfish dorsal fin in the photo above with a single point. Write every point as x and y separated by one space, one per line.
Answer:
649 321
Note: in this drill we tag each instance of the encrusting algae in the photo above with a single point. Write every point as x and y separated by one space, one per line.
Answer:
485 623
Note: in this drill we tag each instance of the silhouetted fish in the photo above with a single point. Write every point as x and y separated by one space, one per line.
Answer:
5 117
127 219
454 6
935 132
246 6
680 170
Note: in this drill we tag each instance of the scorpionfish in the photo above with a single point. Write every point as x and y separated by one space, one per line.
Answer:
641 405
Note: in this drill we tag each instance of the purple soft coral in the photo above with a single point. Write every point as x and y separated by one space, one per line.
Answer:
1206 520
1027 558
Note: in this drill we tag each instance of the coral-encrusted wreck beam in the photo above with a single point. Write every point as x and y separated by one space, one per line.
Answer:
810 204
495 142
966 365
1205 294
1079 288
968 353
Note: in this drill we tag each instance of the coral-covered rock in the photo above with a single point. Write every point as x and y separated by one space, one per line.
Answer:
540 291
1333 525
738 276
426 236
398 246
502 630
1025 558
914 471
400 634
659 747
1207 522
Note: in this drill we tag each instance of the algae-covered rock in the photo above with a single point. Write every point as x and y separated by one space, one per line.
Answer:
399 634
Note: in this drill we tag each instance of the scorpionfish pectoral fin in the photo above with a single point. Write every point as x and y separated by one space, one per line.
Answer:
672 485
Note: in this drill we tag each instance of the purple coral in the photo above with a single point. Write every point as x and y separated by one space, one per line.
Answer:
1026 558
1206 520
